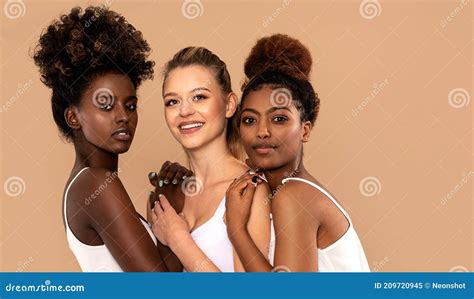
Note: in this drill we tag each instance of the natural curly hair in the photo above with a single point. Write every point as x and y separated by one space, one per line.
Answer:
79 46
282 61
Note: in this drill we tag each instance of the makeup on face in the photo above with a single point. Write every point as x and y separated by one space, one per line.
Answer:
271 134
193 105
108 113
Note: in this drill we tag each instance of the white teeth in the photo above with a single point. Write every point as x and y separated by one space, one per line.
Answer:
122 133
190 126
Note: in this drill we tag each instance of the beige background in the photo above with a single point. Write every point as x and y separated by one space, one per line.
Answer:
393 140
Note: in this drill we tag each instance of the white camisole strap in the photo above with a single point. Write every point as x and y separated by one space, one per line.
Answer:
324 192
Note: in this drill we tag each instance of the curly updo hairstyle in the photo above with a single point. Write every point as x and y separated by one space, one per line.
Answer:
79 46
280 61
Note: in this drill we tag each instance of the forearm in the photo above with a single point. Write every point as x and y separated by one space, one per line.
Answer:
169 258
251 257
191 256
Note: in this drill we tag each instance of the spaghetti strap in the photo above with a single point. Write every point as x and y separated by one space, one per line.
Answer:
67 191
324 192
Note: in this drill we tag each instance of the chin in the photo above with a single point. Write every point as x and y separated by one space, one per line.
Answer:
120 149
264 163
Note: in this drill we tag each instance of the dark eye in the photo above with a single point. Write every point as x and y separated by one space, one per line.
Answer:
106 107
248 120
199 97
280 119
170 103
132 107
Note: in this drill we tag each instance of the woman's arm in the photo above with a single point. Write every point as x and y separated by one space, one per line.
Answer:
258 228
239 207
112 215
295 231
171 176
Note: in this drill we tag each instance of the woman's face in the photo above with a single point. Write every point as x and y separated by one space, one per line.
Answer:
107 113
271 132
195 110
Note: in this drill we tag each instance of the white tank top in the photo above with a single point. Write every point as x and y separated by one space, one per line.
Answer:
212 239
347 253
93 258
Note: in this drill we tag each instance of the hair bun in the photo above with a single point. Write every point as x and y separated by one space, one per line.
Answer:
279 53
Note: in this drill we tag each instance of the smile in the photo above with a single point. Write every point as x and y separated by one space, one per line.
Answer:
190 127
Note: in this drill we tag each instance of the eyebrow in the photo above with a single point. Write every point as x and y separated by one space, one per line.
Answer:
192 91
133 97
268 111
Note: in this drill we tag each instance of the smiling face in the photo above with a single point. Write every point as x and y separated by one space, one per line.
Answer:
195 107
106 116
272 135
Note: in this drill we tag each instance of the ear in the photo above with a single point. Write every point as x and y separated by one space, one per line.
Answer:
71 117
231 105
307 126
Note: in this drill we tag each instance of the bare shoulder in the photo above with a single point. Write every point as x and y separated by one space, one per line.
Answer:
297 198
95 183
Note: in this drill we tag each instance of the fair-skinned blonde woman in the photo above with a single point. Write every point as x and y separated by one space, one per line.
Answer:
199 107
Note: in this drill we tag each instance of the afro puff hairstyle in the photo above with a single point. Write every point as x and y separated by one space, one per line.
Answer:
79 46
280 61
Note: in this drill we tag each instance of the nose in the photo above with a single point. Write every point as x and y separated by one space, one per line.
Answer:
186 109
121 114
263 132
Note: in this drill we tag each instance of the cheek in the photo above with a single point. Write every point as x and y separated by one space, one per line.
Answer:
170 117
213 109
246 135
290 136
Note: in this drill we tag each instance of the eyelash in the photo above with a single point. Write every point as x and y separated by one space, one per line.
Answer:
197 97
244 120
132 107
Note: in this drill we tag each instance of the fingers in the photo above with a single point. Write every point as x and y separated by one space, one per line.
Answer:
172 173
153 178
165 204
241 184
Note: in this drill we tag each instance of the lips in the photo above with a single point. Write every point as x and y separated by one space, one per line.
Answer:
189 127
122 134
264 148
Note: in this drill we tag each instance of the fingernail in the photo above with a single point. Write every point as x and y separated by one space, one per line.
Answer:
184 177
166 182
152 175
175 181
160 195
160 183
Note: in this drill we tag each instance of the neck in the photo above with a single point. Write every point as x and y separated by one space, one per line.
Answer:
290 170
211 161
89 155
